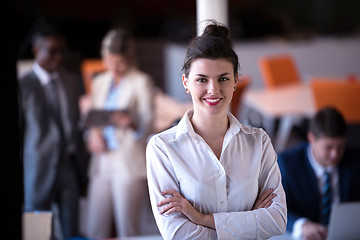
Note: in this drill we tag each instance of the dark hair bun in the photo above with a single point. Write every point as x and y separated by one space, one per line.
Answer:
214 43
216 30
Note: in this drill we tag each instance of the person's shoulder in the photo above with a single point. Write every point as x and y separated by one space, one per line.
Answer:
165 136
297 148
294 152
101 75
28 82
250 129
244 128
253 132
27 77
139 76
99 78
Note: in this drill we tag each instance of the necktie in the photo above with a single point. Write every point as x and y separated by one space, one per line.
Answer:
326 200
55 107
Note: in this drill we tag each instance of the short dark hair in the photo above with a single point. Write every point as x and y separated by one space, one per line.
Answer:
46 28
214 43
328 122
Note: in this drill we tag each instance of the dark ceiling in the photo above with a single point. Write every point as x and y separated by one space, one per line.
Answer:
86 21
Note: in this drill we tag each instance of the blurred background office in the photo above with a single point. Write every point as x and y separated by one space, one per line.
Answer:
161 23
321 36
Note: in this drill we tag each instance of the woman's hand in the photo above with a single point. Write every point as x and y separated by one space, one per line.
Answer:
264 200
177 203
95 141
85 103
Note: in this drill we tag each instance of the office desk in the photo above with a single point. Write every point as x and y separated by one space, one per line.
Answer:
289 104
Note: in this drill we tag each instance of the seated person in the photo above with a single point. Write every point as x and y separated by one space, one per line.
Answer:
304 171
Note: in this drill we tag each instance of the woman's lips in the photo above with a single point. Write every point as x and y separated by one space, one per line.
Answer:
212 101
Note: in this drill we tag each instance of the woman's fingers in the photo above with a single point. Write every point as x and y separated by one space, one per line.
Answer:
171 192
265 199
266 194
172 196
167 201
173 203
166 208
268 204
260 201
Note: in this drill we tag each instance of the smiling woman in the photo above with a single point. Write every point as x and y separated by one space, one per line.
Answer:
211 177
211 84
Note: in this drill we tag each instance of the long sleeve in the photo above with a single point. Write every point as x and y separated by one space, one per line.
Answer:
161 176
261 223
227 188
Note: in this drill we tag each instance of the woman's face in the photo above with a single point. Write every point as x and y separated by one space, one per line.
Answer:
211 83
116 64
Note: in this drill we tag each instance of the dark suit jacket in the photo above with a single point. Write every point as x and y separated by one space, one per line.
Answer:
301 187
41 136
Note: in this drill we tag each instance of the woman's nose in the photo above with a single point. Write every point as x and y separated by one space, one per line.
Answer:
213 87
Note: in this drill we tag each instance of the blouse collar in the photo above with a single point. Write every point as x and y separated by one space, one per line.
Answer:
185 126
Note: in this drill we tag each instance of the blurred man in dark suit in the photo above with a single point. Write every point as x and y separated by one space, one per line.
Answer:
49 106
318 174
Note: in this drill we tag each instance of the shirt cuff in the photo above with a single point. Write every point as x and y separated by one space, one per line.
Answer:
297 228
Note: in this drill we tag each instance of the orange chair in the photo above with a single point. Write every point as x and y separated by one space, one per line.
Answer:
278 70
343 95
237 97
90 67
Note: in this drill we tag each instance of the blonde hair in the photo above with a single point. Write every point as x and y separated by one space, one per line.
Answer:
119 41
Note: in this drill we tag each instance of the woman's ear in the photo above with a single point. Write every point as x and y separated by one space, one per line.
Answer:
237 79
185 83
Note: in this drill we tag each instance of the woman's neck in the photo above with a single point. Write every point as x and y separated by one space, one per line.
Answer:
117 80
212 126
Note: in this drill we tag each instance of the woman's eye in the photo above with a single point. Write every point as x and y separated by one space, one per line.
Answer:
223 79
201 79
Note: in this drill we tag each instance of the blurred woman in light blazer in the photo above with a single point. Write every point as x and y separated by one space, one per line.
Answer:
117 175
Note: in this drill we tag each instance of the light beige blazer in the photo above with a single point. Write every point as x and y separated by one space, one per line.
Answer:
138 97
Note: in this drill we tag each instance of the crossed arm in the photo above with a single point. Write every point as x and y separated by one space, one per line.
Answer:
181 218
177 203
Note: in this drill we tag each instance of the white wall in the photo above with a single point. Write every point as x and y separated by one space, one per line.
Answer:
325 57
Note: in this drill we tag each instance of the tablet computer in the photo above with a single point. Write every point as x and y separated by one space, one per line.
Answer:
100 117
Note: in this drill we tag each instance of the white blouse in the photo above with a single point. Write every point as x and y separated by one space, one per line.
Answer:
180 159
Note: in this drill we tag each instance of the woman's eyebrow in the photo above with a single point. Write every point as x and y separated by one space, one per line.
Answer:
203 75
224 74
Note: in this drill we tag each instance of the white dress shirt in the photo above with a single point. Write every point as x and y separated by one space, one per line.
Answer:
320 176
180 159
